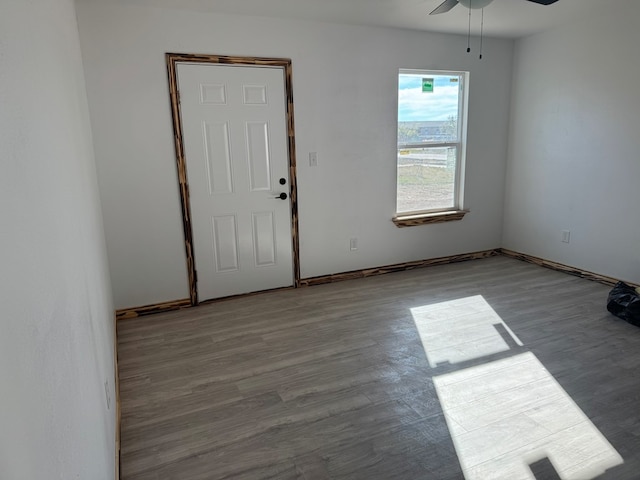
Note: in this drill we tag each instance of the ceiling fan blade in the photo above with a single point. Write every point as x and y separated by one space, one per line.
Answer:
543 2
444 7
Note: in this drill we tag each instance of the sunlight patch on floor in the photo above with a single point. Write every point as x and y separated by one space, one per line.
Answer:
508 414
460 330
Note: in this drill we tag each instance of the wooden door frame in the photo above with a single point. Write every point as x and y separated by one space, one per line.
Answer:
172 60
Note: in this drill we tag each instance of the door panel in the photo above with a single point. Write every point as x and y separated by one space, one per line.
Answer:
218 157
264 239
258 155
235 145
225 243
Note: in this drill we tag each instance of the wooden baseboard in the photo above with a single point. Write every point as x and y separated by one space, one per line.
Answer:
560 267
398 267
371 272
117 390
134 312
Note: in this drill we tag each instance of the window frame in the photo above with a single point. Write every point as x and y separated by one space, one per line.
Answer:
455 212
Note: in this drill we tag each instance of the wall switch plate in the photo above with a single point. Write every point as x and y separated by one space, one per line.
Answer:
566 236
313 159
353 244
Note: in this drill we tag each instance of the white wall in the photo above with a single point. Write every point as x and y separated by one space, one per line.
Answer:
345 81
574 158
56 311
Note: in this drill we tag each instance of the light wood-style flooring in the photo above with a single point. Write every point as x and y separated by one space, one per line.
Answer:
488 369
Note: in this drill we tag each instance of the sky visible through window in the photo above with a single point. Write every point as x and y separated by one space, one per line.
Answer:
414 105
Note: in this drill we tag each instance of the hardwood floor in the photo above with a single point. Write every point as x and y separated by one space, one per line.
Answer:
492 368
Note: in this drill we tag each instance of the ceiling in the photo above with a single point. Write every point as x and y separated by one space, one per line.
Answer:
502 18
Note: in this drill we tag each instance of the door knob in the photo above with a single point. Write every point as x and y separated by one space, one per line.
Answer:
282 196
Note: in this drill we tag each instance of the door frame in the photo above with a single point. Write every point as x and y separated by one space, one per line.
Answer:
172 60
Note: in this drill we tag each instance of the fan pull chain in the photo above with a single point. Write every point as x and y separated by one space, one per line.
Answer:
481 32
469 34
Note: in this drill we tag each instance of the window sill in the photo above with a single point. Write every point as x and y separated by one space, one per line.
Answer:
426 218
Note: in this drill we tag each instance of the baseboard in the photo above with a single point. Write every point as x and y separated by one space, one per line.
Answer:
398 267
117 390
128 313
134 312
560 267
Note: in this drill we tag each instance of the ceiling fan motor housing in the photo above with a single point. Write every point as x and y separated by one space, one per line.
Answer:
475 4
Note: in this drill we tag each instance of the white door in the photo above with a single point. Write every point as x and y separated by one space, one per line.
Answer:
235 145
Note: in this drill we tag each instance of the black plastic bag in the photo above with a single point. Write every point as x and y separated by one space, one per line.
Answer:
624 302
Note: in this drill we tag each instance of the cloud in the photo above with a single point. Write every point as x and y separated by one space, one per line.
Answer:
414 105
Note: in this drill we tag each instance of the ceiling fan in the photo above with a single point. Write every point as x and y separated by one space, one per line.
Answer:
449 4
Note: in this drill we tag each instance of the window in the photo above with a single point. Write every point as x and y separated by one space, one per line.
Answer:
431 127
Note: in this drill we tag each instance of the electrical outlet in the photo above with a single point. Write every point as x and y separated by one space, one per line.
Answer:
313 159
353 244
107 394
566 236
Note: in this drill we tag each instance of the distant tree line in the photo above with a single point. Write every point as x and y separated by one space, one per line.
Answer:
428 131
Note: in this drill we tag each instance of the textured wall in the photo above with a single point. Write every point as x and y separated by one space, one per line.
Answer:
56 311
574 160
